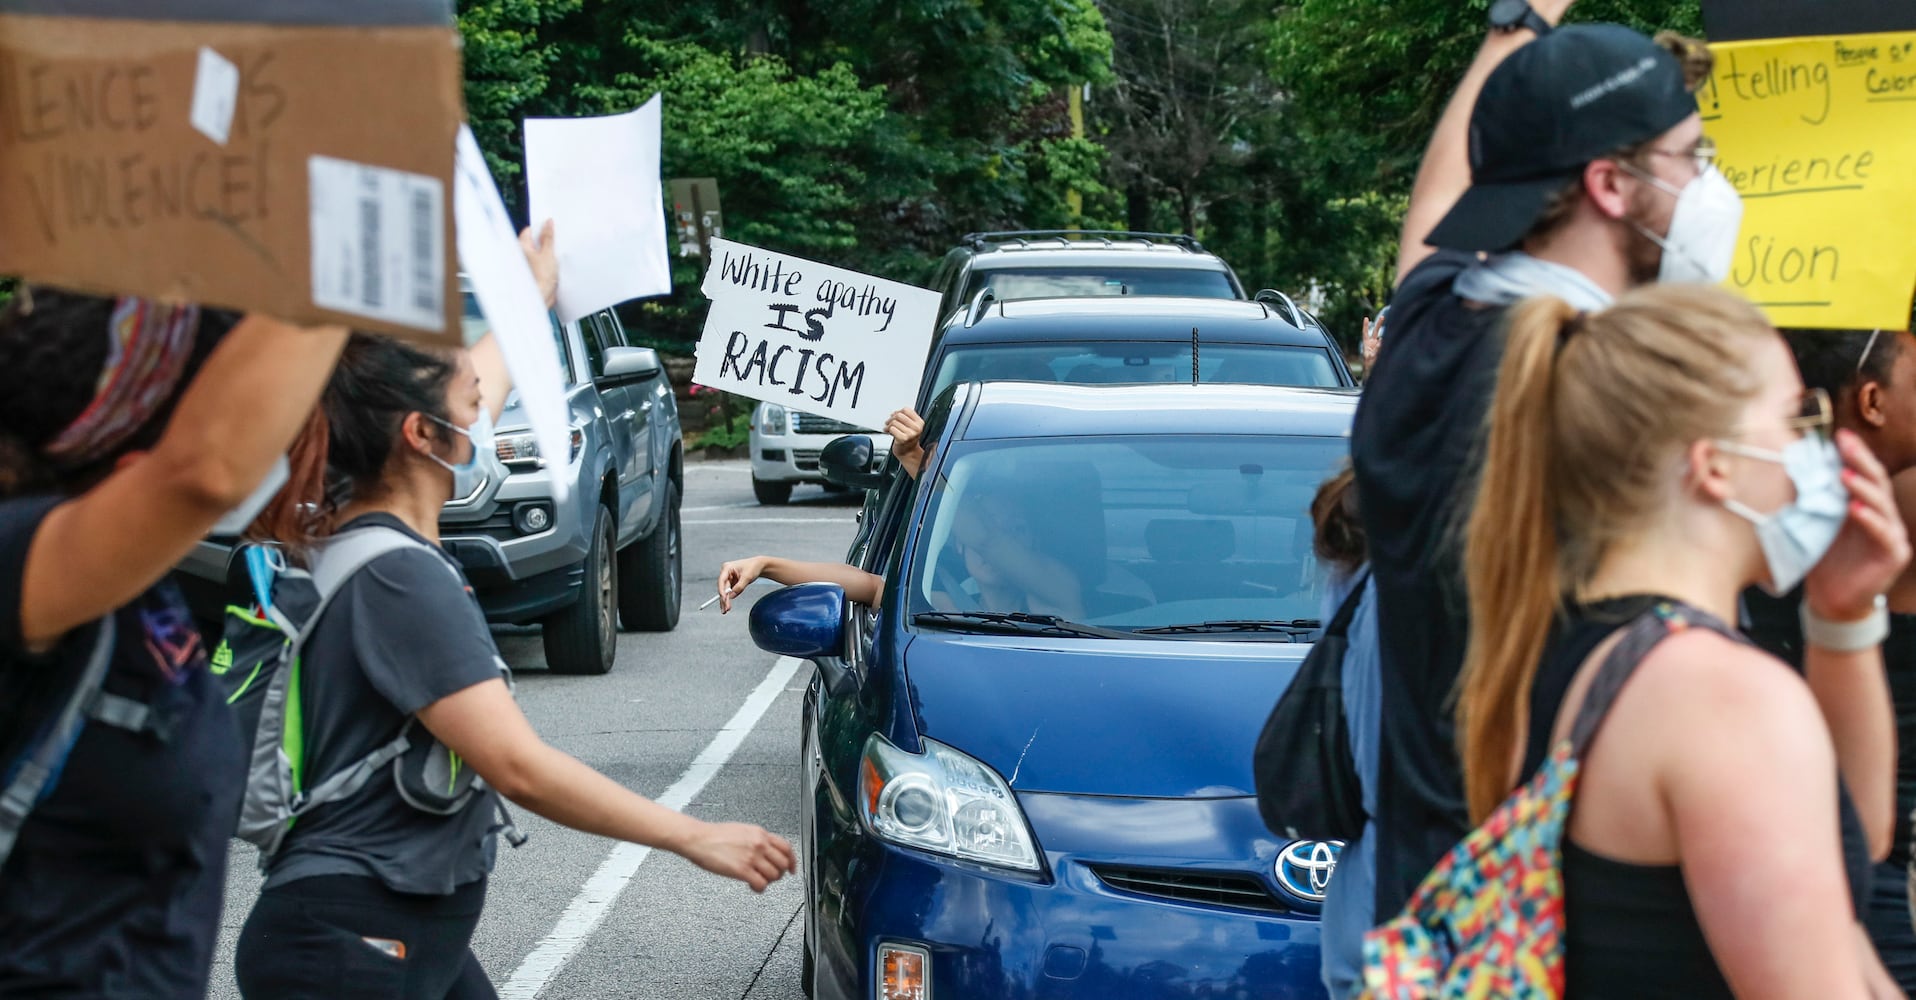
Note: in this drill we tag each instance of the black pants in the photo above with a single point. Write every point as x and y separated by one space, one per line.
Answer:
1889 924
349 936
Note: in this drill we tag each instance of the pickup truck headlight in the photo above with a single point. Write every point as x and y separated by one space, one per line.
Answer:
772 419
946 802
521 450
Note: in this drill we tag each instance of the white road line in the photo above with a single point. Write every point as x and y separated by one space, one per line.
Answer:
773 520
588 909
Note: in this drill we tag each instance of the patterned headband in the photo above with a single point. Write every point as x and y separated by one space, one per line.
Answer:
148 345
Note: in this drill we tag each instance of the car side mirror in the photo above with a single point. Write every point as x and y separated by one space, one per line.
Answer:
852 462
628 363
806 622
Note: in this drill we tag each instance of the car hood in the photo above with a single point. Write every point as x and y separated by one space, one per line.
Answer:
1145 718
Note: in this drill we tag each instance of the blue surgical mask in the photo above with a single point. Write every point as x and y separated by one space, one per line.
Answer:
1795 537
470 474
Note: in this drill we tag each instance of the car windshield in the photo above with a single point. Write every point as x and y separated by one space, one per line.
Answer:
1130 363
1173 533
474 324
1053 282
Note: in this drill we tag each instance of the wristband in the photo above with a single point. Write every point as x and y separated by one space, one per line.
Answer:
1847 637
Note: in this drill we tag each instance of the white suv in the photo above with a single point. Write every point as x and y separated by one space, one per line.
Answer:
785 446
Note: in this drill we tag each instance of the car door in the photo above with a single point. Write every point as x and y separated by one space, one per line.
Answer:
620 412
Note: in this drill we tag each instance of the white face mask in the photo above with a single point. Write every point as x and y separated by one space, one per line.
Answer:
1703 228
483 465
1795 537
240 518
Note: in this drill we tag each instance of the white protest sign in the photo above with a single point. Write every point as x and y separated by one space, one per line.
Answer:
812 337
490 256
597 179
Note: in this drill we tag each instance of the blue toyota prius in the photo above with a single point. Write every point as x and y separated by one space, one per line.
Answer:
1028 774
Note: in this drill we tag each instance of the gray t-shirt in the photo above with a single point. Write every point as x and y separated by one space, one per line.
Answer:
404 632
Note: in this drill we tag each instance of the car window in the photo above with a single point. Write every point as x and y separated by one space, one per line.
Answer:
616 334
595 343
1134 363
1125 532
474 325
1043 283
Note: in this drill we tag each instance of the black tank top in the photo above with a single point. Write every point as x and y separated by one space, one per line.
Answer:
1630 930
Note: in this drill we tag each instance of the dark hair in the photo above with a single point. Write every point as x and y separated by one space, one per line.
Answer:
377 383
55 343
1340 538
1828 358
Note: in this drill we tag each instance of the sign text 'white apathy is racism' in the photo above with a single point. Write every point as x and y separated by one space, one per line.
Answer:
813 337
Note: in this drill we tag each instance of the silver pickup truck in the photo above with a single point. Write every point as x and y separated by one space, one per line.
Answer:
610 555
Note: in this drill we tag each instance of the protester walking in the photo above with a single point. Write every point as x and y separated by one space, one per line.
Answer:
378 894
1577 163
1645 464
1870 378
128 430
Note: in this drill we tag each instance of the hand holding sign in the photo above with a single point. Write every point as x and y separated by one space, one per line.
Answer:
813 337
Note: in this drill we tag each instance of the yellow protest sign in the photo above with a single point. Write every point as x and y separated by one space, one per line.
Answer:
1819 137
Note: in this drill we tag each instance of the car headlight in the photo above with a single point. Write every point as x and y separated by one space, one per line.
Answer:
771 419
946 802
521 449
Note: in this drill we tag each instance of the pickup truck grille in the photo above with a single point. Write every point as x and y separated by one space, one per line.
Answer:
806 423
1234 889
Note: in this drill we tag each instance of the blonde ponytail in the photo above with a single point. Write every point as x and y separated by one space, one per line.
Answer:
1591 416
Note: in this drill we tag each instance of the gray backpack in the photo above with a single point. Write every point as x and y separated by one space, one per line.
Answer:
259 663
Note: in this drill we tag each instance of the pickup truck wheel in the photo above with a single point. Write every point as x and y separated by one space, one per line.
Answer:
583 638
771 494
651 573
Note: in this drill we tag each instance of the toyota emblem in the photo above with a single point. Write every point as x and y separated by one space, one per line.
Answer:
1304 867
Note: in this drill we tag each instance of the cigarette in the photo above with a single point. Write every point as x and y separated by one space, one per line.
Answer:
711 602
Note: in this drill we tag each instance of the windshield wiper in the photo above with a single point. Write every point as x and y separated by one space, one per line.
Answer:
1012 623
1295 627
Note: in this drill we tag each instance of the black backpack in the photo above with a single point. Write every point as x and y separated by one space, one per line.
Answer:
1307 782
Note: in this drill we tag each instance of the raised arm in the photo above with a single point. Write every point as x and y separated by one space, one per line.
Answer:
484 726
1445 173
103 548
734 577
1851 687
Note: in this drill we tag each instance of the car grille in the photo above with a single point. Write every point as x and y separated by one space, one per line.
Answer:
499 526
806 423
805 459
1234 889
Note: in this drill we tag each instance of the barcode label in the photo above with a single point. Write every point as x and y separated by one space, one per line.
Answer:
378 240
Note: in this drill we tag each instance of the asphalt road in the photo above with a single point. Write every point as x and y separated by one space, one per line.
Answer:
669 710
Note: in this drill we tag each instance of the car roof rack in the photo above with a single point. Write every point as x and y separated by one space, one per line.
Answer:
1276 297
1066 237
979 304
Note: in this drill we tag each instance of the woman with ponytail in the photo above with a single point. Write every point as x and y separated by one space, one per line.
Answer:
377 894
1645 464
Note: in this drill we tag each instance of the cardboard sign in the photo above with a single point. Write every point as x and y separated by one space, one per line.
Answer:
812 337
597 179
1819 137
1741 20
299 167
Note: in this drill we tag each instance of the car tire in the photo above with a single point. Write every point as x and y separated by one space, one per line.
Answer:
583 638
652 573
771 494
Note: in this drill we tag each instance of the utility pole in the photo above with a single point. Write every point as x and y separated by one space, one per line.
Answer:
1074 99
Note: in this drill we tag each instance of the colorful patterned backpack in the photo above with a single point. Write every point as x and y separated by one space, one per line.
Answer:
1488 919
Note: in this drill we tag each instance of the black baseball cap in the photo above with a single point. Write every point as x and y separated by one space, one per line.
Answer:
1575 95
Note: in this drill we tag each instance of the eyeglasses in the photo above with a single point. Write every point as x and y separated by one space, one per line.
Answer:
1813 414
1868 346
1703 154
